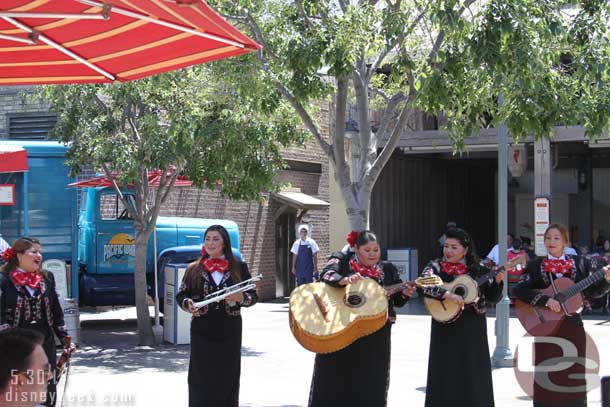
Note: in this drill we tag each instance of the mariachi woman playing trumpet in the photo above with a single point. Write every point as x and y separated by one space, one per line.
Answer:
358 375
215 363
459 367
539 274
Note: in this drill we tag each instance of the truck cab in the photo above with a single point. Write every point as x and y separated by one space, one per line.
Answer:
106 246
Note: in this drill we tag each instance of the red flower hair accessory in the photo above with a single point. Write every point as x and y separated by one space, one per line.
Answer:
8 254
203 251
352 238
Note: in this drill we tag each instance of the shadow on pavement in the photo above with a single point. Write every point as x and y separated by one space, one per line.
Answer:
111 346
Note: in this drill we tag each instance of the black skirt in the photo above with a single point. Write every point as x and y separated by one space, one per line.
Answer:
356 376
459 366
571 329
215 363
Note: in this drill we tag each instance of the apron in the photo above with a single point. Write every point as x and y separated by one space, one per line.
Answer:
304 264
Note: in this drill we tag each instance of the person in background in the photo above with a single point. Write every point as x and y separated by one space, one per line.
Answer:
305 257
599 245
526 245
24 368
494 255
28 299
216 329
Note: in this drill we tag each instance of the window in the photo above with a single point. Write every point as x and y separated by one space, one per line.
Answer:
112 208
31 126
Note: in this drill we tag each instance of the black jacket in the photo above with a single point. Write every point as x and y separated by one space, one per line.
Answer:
40 311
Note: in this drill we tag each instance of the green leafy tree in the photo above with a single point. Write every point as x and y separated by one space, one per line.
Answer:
548 59
187 122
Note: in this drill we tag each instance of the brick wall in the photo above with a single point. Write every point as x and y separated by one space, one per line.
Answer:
13 100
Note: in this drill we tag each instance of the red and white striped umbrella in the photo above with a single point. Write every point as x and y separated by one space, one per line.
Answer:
91 41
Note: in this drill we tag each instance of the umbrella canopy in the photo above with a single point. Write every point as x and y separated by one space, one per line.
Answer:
90 41
154 178
13 159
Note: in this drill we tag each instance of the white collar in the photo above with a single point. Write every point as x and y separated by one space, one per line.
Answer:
551 257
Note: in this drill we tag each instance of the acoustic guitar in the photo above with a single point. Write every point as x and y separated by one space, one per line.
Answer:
325 319
445 311
541 321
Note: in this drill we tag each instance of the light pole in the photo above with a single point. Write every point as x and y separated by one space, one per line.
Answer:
502 356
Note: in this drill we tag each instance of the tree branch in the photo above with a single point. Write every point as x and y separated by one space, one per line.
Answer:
117 189
441 35
390 145
302 13
397 43
285 92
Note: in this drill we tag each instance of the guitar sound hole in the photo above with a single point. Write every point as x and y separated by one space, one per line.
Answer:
355 300
461 291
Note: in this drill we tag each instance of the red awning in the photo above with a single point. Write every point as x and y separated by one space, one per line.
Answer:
154 177
13 159
90 41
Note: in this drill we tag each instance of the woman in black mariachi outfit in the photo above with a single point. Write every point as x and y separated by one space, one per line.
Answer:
459 367
216 329
28 299
358 375
540 273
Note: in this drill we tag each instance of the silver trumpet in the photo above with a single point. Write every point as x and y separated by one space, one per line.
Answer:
225 292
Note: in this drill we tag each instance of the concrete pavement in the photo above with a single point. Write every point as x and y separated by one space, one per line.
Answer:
110 370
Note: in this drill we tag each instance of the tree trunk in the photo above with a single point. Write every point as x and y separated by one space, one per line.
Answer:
358 202
145 331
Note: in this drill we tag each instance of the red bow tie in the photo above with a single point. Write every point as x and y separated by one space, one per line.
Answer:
373 272
557 266
24 278
212 264
453 269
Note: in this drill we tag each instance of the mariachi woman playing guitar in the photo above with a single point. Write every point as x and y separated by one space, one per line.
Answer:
459 368
549 303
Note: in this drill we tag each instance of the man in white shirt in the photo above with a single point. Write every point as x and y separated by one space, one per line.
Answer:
494 254
305 257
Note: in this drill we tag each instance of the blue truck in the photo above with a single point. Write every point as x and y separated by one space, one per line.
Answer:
97 233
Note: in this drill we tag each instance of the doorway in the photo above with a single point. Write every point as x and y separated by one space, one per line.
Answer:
284 237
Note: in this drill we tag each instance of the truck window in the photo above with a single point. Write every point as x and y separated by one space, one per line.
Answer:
112 208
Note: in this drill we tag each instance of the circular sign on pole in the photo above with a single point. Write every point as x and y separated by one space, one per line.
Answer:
541 222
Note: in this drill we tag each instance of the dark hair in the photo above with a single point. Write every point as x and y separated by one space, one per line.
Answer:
20 245
464 238
365 237
16 347
600 241
192 277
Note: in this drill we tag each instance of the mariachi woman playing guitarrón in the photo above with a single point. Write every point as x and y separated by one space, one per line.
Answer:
358 375
215 363
459 367
539 274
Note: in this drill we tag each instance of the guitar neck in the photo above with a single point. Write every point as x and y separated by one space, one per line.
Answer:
394 288
487 277
584 283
